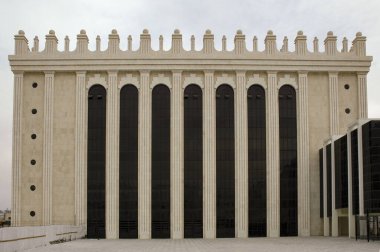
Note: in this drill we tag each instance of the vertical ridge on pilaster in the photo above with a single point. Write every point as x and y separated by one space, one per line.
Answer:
241 153
48 148
273 158
303 157
112 178
362 95
80 149
17 148
334 105
144 158
209 160
177 152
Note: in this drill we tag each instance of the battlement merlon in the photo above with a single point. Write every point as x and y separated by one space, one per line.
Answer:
349 59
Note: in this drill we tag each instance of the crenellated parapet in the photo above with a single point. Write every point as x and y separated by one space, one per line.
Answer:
330 43
277 57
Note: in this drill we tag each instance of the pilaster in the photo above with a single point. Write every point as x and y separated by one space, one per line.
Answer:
144 157
48 148
17 147
112 158
177 162
273 158
209 158
362 95
80 149
303 156
241 154
334 105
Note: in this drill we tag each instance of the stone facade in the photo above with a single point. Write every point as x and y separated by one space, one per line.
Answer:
60 122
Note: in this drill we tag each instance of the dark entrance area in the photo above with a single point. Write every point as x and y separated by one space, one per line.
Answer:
160 162
193 162
128 166
96 162
225 162
257 213
288 161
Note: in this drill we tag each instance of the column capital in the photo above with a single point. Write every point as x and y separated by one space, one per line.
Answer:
333 74
302 72
144 71
177 72
361 73
18 72
241 72
80 72
272 72
112 72
49 72
209 72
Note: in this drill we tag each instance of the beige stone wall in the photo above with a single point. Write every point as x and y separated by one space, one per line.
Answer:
63 201
319 129
348 98
32 149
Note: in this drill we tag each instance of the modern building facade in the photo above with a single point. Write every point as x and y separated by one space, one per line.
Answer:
179 143
349 175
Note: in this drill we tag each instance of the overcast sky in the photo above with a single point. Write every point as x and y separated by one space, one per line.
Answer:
223 17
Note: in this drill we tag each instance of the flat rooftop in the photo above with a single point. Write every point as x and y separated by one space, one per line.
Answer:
290 244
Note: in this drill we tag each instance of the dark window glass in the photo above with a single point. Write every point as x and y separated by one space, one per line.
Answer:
96 162
161 162
33 136
193 162
346 86
128 162
355 172
225 162
32 162
288 161
32 187
321 183
341 176
371 166
257 213
34 85
328 175
32 213
34 111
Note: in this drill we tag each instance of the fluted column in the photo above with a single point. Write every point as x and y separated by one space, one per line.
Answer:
80 149
362 95
334 105
144 157
209 158
177 150
112 158
48 148
241 153
17 147
303 156
273 158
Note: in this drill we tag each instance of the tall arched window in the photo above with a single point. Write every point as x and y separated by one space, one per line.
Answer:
96 162
225 162
257 162
288 161
161 162
128 168
193 162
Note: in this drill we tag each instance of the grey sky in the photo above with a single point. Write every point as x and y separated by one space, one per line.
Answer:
223 17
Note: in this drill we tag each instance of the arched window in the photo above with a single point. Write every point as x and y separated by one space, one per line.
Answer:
128 166
160 162
193 162
288 161
257 216
96 162
225 162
